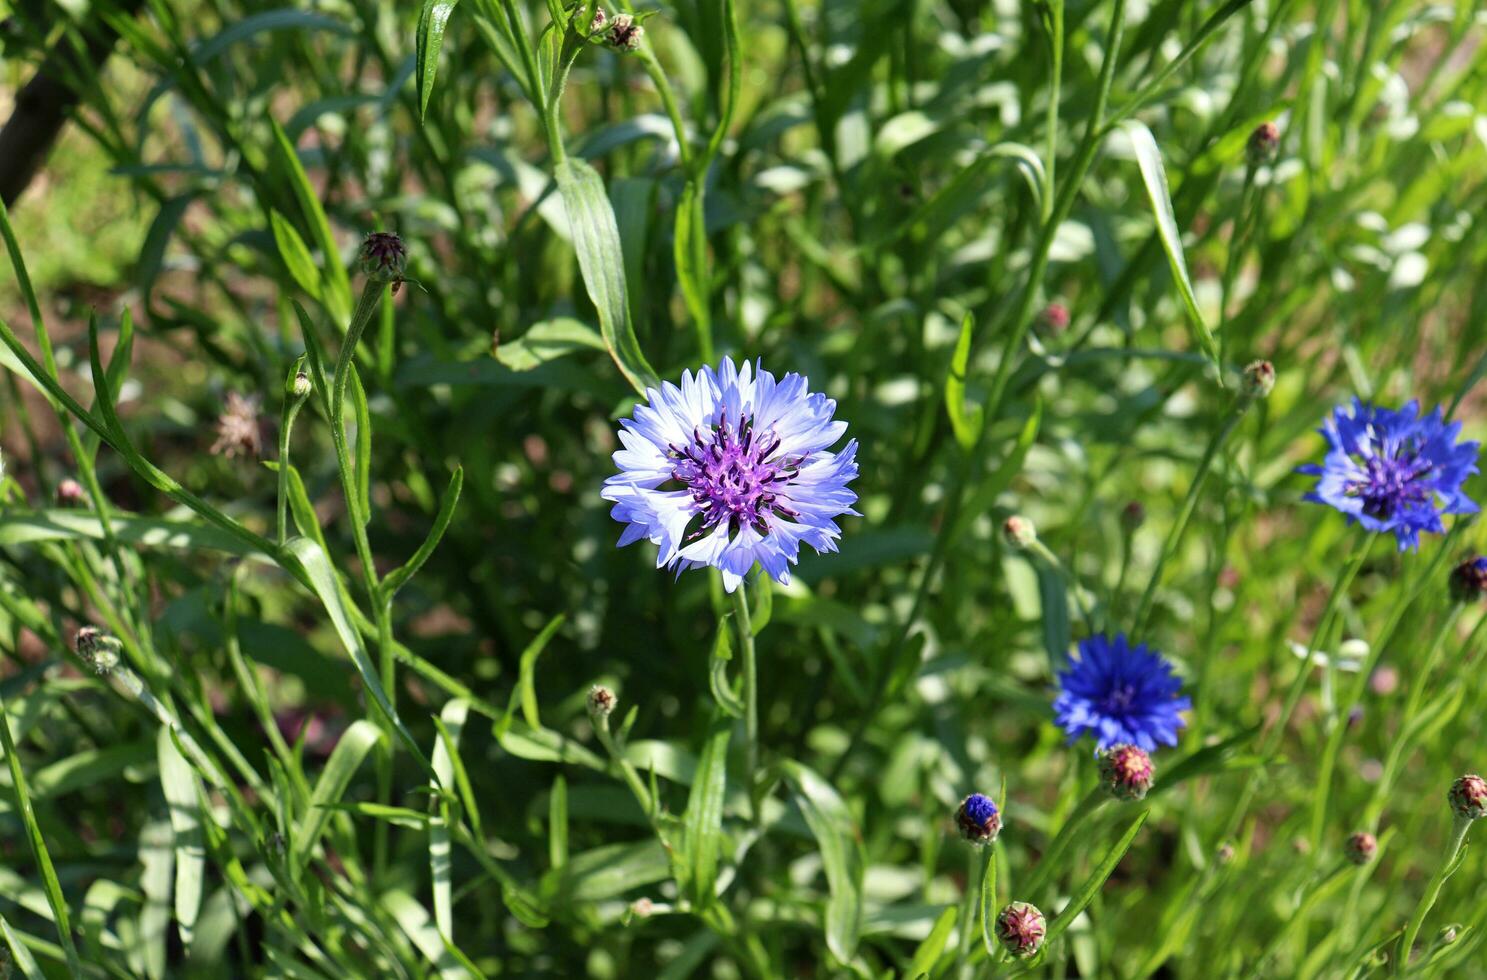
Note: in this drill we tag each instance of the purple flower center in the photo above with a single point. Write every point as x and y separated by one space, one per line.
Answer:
731 477
1119 700
1389 481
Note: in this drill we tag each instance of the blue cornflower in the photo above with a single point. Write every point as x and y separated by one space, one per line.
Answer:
1394 470
978 819
731 468
1121 694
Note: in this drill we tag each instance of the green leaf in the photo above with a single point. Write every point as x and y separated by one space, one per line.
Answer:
596 239
337 291
399 577
988 895
1154 176
1093 883
179 785
431 22
452 723
557 822
606 872
323 580
363 463
413 919
344 760
548 341
526 681
29 527
19 953
965 422
841 855
928 953
703 823
689 251
717 678
295 253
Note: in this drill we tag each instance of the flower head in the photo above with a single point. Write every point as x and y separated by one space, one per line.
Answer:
239 430
97 649
1394 471
1132 516
601 701
1264 142
625 35
70 493
1469 580
1258 379
978 819
1056 316
1018 531
1361 847
1120 692
732 468
1126 772
1468 797
1021 928
383 257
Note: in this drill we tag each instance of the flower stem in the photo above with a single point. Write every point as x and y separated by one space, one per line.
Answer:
1432 892
751 694
1174 536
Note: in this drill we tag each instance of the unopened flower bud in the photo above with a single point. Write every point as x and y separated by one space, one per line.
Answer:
1132 516
1468 797
601 701
625 35
1448 934
1468 581
1019 531
70 493
1126 772
1056 316
1263 143
98 650
1384 680
1361 847
642 907
299 385
600 18
978 819
1021 929
1225 853
1259 379
384 257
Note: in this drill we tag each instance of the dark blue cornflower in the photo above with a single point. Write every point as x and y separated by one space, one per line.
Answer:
978 819
732 468
1121 693
1394 471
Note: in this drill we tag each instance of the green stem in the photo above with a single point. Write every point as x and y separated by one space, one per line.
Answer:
745 627
1174 536
52 886
1277 732
1432 892
292 404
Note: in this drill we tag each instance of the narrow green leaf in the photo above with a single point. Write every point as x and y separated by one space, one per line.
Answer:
399 577
431 23
703 822
323 580
53 888
928 954
689 250
413 919
1154 176
526 682
596 239
965 422
763 604
841 855
722 653
452 723
988 895
557 822
344 760
1093 883
19 953
178 783
296 254
337 291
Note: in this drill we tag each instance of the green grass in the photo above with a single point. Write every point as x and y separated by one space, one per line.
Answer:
883 196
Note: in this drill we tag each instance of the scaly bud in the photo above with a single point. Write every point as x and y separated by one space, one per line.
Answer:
1126 772
1469 580
625 35
601 701
1263 143
1019 531
1021 929
1468 796
1361 847
98 650
1259 379
384 257
978 819
70 493
1132 516
1056 316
